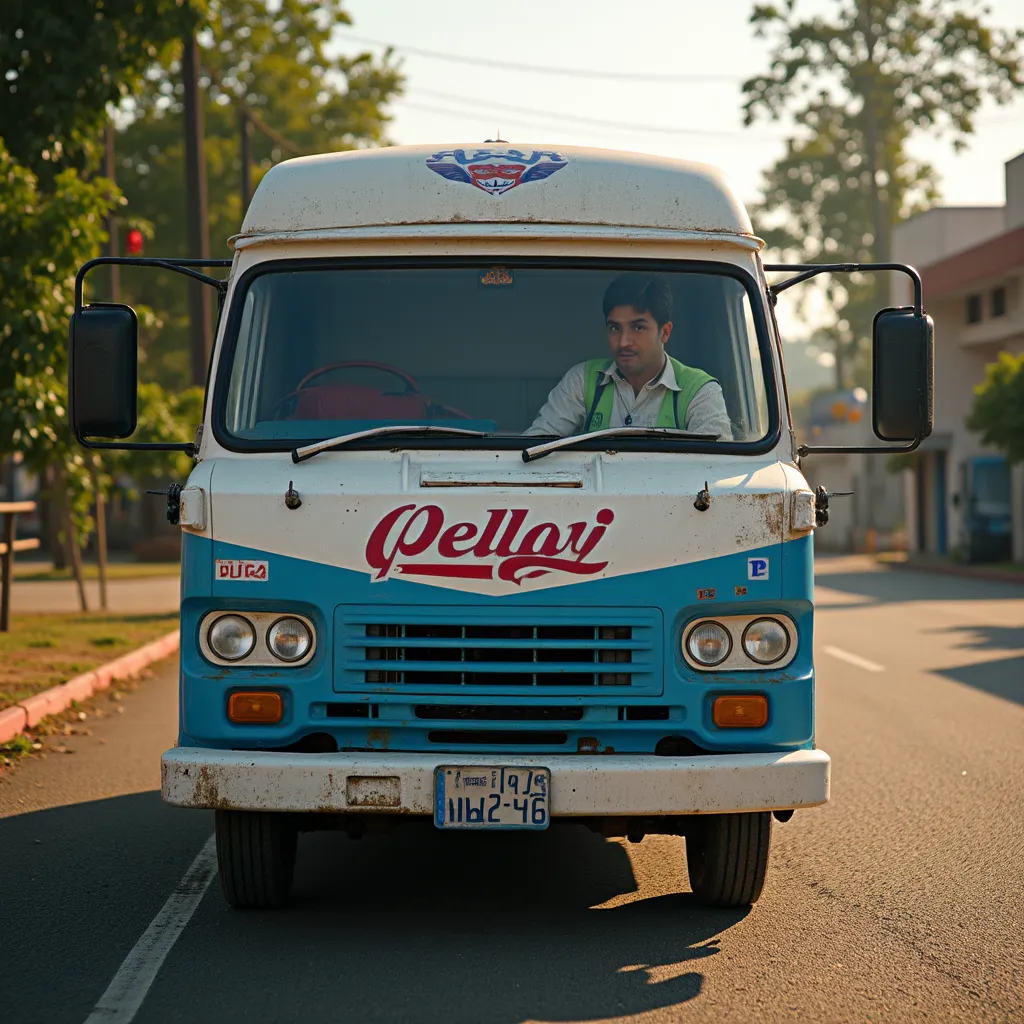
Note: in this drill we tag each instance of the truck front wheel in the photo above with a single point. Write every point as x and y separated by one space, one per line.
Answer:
727 857
256 857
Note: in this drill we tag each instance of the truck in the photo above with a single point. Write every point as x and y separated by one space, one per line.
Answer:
406 595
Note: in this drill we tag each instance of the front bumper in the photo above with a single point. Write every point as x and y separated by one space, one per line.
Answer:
581 785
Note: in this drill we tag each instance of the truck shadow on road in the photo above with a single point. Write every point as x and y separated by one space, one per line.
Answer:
420 925
414 925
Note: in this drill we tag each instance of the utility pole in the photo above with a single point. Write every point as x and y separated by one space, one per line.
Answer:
245 124
199 298
110 169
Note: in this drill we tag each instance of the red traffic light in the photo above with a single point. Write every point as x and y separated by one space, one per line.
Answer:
134 242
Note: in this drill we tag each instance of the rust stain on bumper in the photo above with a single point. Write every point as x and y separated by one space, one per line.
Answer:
373 791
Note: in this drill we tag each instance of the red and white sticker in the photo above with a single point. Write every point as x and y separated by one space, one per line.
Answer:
240 569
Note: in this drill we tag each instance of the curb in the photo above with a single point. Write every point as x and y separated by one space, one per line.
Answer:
34 709
957 570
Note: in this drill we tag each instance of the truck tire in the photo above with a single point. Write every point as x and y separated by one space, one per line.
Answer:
727 858
255 857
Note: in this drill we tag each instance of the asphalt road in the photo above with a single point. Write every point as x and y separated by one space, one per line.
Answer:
901 900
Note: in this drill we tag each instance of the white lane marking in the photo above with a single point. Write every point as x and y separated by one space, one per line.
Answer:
854 659
124 995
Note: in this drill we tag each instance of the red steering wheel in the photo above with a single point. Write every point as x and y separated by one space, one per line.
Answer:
411 387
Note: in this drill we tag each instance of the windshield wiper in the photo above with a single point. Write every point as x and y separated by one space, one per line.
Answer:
309 450
540 450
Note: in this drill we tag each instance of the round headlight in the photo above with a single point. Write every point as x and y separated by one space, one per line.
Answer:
289 639
232 638
766 641
709 643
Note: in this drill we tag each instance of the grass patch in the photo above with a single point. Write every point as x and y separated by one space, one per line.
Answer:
43 650
19 745
29 572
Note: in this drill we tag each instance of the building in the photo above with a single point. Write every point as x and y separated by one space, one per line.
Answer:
960 496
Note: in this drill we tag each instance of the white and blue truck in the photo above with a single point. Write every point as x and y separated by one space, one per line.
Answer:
406 593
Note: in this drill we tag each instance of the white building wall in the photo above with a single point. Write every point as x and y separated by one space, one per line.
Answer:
945 230
1015 193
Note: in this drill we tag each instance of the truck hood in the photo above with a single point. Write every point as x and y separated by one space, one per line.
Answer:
485 523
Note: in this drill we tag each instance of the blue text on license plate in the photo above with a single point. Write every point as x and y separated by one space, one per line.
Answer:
470 796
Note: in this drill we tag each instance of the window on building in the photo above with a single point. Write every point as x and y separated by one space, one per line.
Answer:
999 302
974 309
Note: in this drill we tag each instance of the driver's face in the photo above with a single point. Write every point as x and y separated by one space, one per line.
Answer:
636 342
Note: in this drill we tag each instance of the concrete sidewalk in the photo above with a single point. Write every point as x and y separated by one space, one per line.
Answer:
940 564
144 596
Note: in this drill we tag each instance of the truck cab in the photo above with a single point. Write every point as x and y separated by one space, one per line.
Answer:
432 567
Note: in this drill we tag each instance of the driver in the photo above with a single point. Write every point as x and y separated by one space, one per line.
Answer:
641 385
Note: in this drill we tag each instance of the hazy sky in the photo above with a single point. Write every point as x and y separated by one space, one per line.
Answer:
451 102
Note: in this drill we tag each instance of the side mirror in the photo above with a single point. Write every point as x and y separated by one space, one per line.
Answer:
103 371
902 375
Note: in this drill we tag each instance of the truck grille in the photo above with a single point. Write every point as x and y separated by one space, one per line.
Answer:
538 651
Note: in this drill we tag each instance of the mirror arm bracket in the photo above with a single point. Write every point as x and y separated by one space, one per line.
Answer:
188 447
805 271
177 266
839 449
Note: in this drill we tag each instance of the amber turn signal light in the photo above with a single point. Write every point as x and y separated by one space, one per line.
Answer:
255 707
746 712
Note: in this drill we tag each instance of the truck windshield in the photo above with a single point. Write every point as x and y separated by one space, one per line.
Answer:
509 349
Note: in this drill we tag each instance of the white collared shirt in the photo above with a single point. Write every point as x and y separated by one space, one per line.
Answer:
565 410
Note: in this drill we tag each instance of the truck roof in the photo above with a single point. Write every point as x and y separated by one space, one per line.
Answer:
496 183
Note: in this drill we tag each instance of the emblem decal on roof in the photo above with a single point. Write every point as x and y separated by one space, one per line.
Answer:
495 171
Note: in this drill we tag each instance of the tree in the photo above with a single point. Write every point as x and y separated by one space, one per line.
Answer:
64 66
64 63
997 412
48 234
858 86
265 57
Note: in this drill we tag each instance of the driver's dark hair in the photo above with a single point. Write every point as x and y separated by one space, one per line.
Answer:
644 292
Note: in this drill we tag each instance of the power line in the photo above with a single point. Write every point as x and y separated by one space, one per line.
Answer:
276 137
543 69
522 123
591 121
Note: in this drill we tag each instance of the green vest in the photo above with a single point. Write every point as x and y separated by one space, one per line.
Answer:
599 396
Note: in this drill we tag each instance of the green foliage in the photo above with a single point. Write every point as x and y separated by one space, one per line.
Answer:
163 416
64 62
997 412
898 463
48 235
270 57
65 66
17 745
858 84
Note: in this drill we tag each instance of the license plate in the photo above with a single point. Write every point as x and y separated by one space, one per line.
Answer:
466 796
